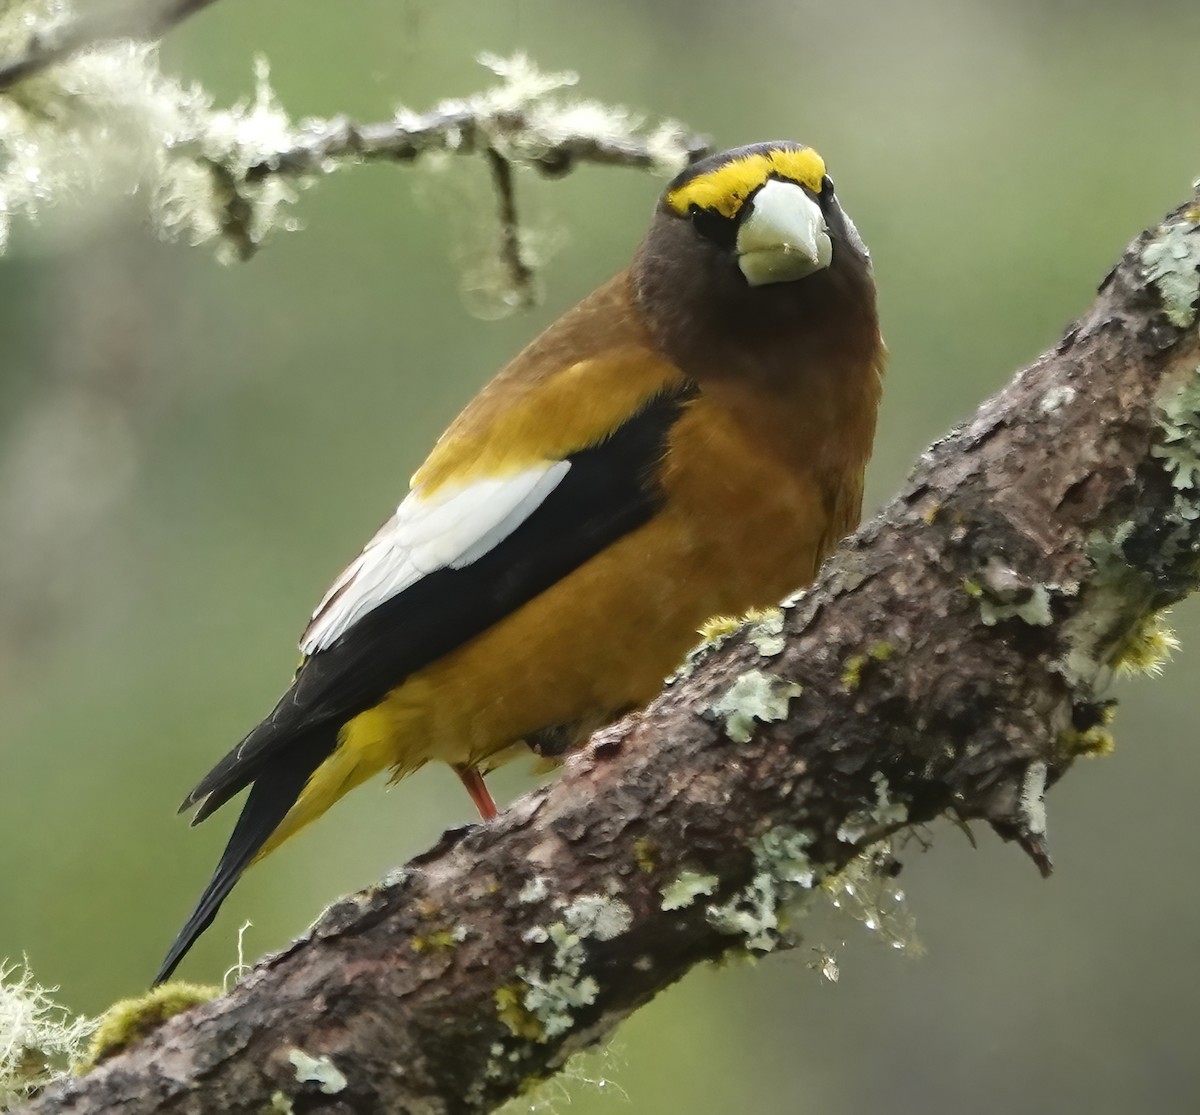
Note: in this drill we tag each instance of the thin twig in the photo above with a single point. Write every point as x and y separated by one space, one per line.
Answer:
516 137
457 127
519 272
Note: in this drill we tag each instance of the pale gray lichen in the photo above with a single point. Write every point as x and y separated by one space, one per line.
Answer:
535 890
766 633
1057 398
1172 263
1120 593
1114 589
1034 609
556 991
885 815
755 697
317 1070
598 915
1179 423
783 878
1033 798
553 995
39 1039
685 888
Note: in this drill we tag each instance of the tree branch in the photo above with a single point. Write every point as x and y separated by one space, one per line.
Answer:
139 20
950 659
509 125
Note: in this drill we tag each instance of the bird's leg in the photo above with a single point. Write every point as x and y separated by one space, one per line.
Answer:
477 788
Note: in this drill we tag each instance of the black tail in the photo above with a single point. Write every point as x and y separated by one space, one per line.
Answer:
277 785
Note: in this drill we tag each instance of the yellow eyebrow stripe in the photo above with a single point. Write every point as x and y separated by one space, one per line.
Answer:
725 188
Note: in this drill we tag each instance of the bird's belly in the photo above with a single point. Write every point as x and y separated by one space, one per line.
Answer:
601 641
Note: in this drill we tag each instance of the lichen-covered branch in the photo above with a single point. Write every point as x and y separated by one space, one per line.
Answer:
83 102
521 122
99 22
951 660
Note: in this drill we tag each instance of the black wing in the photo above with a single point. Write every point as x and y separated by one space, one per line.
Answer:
609 490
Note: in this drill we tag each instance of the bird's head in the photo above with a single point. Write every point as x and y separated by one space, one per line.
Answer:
753 236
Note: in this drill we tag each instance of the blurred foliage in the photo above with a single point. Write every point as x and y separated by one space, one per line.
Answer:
263 418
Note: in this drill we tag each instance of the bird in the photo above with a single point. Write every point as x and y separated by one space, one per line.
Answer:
688 441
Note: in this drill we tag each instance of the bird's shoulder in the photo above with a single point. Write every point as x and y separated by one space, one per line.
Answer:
572 387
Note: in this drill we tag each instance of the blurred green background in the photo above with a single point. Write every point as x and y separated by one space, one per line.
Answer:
248 427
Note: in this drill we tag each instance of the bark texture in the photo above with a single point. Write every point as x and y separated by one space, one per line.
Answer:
950 659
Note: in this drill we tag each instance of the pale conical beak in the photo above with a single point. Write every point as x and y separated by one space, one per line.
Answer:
783 237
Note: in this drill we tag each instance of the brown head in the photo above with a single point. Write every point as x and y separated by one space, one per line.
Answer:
751 261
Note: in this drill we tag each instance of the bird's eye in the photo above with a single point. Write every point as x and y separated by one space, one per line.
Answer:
712 226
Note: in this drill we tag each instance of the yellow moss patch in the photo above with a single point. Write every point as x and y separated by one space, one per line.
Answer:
643 854
852 671
510 1008
1148 647
1093 743
434 942
129 1021
719 627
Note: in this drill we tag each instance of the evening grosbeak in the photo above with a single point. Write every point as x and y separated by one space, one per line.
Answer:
688 441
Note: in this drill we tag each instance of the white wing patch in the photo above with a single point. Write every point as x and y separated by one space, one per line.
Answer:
454 528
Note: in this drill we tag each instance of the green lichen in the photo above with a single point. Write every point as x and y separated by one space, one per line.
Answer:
1179 424
320 1071
599 916
1119 627
1002 593
783 878
755 697
280 1104
687 886
556 990
1172 263
1115 590
553 995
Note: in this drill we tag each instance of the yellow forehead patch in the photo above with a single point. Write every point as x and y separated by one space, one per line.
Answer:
725 188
